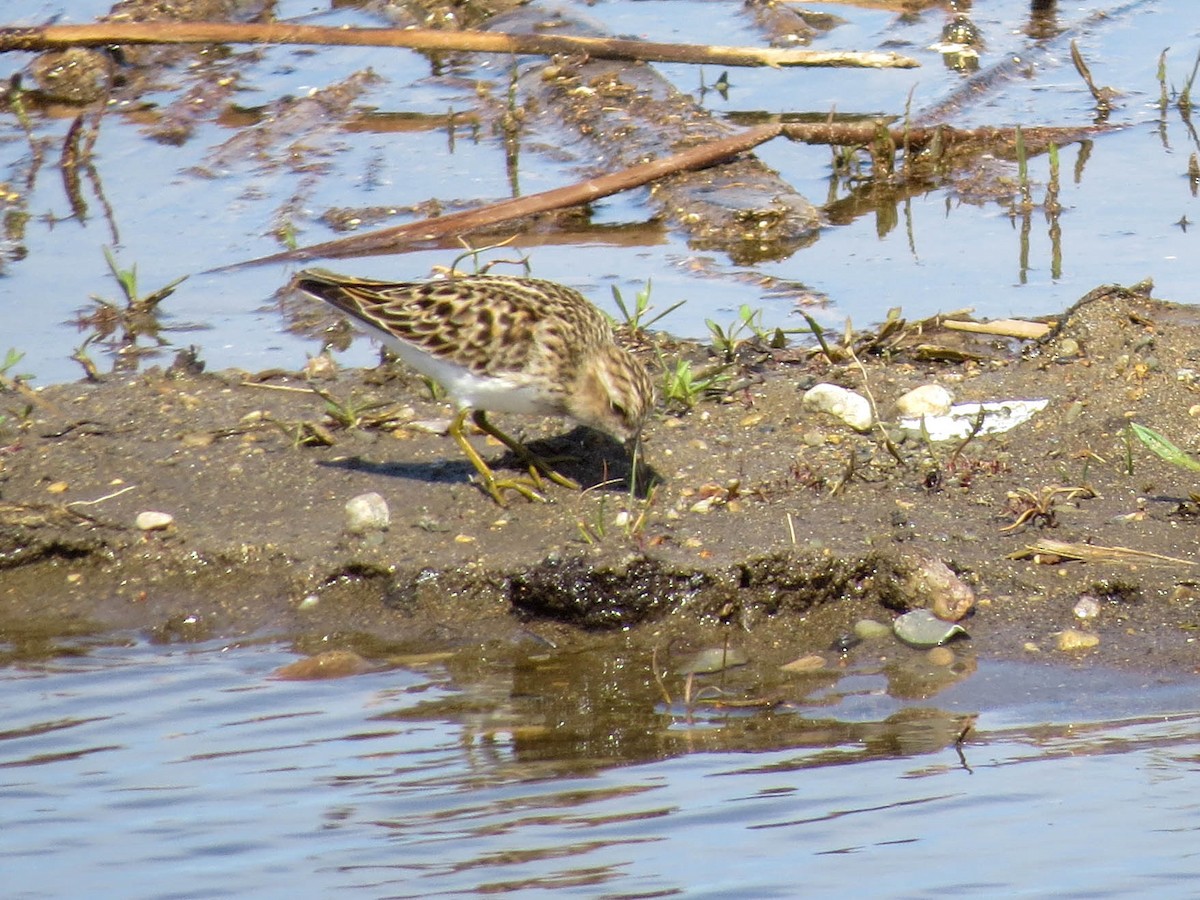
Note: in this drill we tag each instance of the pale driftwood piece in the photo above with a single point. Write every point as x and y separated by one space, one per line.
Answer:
49 37
1014 328
559 198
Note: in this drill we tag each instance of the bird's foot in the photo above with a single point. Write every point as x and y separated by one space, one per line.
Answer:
495 488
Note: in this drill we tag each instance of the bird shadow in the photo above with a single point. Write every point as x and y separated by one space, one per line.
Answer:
594 460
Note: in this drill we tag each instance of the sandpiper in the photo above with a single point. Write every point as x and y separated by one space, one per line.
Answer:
503 344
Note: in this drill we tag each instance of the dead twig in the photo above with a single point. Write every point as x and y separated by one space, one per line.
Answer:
1093 553
107 33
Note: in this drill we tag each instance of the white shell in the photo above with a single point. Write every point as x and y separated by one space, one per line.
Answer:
998 416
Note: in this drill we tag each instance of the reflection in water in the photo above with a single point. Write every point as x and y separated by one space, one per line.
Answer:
175 770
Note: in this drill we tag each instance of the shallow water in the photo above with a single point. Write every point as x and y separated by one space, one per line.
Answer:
142 770
182 208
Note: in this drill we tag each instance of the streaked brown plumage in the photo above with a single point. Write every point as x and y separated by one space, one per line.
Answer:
505 344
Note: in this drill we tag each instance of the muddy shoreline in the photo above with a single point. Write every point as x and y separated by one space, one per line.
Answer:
771 524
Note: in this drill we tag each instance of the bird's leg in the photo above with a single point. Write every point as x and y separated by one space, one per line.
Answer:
536 465
493 485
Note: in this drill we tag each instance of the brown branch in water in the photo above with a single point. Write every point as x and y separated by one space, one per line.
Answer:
48 37
1037 139
69 165
461 223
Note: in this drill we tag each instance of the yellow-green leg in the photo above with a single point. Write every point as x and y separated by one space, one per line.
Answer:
536 465
493 485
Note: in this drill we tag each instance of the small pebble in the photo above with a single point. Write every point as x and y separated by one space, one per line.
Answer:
847 406
367 512
1068 347
947 595
153 521
810 663
1087 608
1076 640
926 400
869 629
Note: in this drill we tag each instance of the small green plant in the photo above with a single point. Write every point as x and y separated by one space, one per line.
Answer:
11 359
1164 98
727 341
1163 448
352 412
683 387
1185 96
631 519
721 85
636 319
1023 171
135 316
127 279
14 382
15 97
593 531
287 235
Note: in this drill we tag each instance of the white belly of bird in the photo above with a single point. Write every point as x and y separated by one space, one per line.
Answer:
513 393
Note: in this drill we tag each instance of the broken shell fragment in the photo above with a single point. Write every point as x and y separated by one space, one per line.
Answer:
966 419
845 405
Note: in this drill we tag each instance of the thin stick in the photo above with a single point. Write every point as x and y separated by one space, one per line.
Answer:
391 239
123 490
104 33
